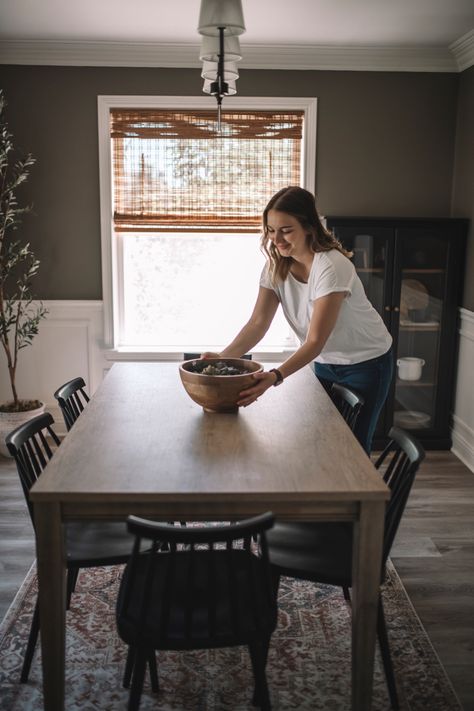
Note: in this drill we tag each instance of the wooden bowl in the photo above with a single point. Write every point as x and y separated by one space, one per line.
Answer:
218 393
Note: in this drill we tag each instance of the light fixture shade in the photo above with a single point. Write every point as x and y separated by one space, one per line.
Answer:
210 49
209 71
221 13
232 89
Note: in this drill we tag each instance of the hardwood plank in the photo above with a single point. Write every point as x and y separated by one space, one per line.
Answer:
440 513
17 542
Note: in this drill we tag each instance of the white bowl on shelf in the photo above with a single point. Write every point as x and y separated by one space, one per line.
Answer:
411 419
410 368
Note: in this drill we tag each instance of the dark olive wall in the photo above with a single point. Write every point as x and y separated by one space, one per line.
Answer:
463 187
385 146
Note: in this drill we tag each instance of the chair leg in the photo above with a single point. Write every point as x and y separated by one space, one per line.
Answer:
258 655
155 684
127 674
30 647
265 648
275 581
386 656
139 668
72 575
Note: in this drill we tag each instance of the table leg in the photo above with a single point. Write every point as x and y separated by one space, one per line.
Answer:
52 600
366 567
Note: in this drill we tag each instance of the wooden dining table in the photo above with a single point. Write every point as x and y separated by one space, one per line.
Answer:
142 446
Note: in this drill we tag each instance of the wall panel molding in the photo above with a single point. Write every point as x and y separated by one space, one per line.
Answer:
463 415
69 344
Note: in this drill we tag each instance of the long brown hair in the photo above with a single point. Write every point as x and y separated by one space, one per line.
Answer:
300 204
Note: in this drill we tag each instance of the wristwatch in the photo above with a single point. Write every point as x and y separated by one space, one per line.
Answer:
279 377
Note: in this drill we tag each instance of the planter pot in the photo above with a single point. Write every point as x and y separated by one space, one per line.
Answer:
9 421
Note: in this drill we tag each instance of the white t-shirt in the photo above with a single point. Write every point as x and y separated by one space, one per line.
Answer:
359 334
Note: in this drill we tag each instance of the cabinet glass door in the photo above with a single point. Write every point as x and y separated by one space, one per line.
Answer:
370 257
422 255
373 258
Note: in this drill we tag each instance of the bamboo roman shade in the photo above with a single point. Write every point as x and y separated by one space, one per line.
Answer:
174 171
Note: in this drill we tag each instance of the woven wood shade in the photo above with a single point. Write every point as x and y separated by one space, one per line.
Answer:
174 170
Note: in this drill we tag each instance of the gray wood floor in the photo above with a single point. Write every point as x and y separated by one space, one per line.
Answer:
433 554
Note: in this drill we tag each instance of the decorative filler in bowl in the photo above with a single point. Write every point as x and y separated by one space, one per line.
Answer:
215 383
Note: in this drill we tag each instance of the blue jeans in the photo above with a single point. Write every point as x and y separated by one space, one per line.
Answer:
371 379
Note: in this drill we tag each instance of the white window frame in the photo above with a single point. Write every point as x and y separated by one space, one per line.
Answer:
112 286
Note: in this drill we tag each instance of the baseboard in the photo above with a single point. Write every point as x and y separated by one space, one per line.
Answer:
463 414
463 442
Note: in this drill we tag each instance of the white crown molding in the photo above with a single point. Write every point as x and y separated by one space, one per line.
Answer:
463 51
97 54
368 58
302 57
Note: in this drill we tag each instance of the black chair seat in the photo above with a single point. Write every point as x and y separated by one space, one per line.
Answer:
170 628
95 543
314 551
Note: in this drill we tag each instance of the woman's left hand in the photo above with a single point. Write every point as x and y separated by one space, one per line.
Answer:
264 381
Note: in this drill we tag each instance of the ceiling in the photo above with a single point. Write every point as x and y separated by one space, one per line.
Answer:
427 26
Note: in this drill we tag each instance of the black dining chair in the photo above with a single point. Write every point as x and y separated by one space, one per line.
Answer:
72 398
211 588
88 543
322 551
348 402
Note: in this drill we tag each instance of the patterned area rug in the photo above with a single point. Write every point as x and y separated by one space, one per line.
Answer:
308 666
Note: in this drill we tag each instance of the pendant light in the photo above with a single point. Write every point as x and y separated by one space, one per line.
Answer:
220 23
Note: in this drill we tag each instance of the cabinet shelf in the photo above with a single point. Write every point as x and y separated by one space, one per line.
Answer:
419 327
423 271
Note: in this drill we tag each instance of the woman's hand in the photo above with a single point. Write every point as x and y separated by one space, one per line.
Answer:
209 354
263 381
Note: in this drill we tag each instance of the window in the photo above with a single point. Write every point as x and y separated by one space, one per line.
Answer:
181 210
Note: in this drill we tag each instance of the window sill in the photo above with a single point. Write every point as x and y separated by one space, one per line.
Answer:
174 355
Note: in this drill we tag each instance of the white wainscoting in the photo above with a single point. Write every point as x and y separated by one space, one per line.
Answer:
463 415
71 343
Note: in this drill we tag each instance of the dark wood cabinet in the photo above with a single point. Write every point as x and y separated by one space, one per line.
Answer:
412 272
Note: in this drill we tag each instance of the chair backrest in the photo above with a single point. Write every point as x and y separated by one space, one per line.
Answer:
196 356
398 464
72 399
348 402
32 445
213 558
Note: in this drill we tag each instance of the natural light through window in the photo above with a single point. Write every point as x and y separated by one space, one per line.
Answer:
183 289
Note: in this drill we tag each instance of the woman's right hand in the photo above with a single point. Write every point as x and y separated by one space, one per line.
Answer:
209 354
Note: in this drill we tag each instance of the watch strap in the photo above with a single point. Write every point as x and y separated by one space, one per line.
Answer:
279 376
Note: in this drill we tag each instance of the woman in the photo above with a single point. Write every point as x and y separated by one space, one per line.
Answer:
309 273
